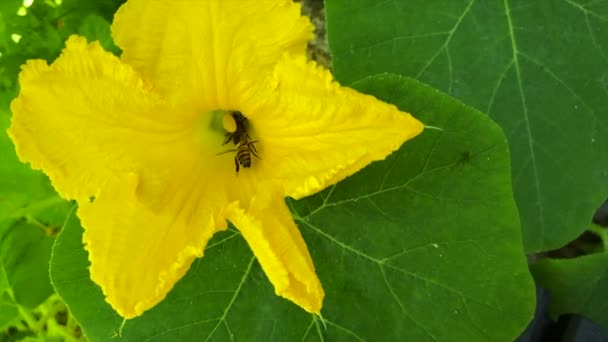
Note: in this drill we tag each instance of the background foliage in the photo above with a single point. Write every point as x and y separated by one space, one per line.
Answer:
537 68
426 245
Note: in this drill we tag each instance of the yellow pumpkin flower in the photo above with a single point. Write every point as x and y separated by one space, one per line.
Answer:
138 141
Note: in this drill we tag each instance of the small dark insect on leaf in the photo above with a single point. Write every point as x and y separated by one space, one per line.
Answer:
465 158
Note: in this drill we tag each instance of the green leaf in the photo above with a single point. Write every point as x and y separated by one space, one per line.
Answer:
104 8
576 286
4 36
94 28
536 67
8 307
10 7
423 246
8 311
25 252
8 11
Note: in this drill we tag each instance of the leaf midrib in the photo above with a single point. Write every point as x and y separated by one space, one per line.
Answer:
516 64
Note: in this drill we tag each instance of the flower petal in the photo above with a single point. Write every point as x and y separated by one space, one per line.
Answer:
88 118
80 118
137 254
312 132
208 52
267 226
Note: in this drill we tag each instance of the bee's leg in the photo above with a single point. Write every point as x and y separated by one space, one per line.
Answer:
252 149
227 151
236 163
228 137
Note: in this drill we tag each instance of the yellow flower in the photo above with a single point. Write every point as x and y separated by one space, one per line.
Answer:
138 141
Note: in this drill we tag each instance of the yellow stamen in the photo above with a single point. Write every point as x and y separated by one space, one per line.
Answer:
229 123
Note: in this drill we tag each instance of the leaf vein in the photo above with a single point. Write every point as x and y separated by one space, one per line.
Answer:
522 96
405 312
448 39
149 338
233 299
587 11
501 79
348 331
312 322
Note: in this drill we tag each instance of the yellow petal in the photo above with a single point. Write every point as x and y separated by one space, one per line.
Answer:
88 118
137 254
312 132
207 53
267 226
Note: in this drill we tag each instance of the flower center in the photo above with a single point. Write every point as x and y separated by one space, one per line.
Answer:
237 131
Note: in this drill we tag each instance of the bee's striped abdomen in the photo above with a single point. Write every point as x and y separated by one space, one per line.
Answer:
243 156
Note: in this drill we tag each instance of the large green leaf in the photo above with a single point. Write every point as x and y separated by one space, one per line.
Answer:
539 68
576 285
423 246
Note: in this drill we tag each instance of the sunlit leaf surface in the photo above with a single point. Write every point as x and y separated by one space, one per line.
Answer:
539 68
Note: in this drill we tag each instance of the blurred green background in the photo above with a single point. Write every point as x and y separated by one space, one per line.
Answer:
31 214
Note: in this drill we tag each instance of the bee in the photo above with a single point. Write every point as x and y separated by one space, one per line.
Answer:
245 147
